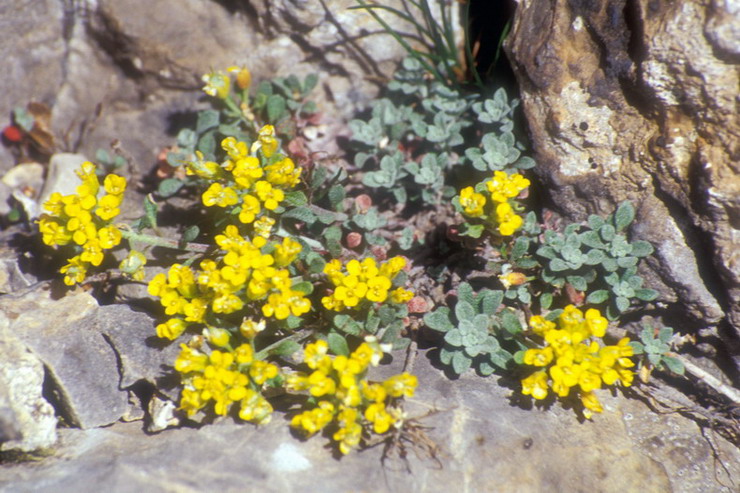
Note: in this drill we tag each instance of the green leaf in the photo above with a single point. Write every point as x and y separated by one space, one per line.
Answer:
545 300
558 265
472 230
674 364
303 214
465 293
309 83
439 319
445 355
304 287
336 196
594 257
461 362
637 347
521 246
190 234
454 338
510 322
296 199
485 368
315 262
519 357
464 311
598 297
624 216
665 334
337 344
641 248
490 301
607 232
286 348
150 211
591 238
347 324
169 187
275 108
578 283
206 120
622 303
595 222
646 294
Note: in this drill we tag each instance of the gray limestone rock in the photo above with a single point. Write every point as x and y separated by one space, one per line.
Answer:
27 420
81 363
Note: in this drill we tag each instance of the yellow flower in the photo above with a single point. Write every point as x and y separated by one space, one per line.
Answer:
266 142
539 357
401 385
219 195
271 197
243 77
172 329
75 271
114 184
216 336
381 419
249 328
472 202
287 252
250 209
217 84
400 295
133 265
591 404
535 385
508 221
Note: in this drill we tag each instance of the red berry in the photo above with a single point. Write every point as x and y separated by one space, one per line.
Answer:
12 133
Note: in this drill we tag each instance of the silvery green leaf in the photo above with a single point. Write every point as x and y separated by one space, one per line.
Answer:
547 252
439 319
625 262
641 248
665 334
654 358
646 294
461 362
622 303
464 311
594 257
465 293
624 215
674 364
490 300
578 282
597 297
607 232
558 265
545 300
610 265
510 322
445 355
637 347
591 238
485 368
454 338
595 222
525 162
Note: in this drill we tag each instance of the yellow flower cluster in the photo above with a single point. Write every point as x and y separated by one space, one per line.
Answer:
84 220
364 280
502 188
244 273
251 182
573 359
344 396
225 377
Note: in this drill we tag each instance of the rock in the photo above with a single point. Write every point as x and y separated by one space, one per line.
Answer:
32 52
12 277
141 355
27 420
484 442
638 102
161 415
81 364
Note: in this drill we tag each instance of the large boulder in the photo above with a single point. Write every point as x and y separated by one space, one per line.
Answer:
638 101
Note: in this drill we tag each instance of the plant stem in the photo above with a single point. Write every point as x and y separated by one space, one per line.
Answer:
264 353
163 242
708 379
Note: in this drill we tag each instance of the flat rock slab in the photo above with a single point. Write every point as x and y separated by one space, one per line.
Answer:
485 444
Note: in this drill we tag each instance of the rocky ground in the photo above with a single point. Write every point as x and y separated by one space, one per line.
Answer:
86 389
